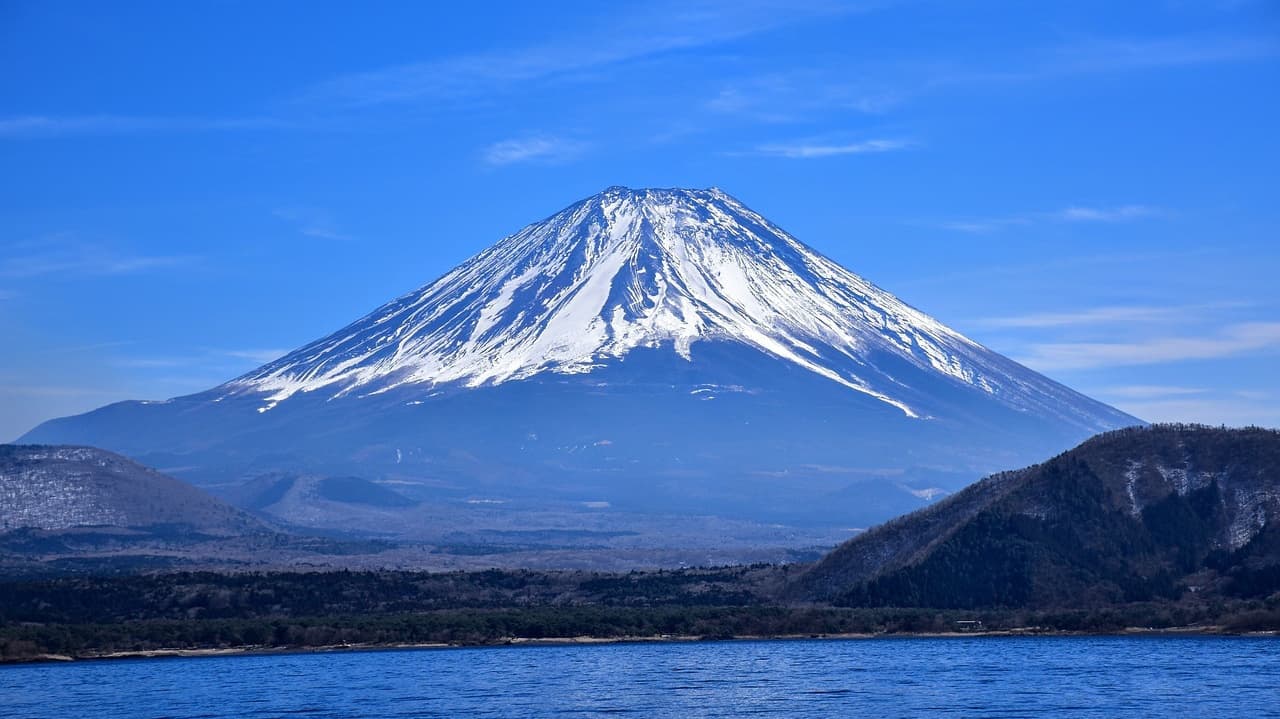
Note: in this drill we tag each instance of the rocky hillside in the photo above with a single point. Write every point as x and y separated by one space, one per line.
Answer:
1157 512
60 487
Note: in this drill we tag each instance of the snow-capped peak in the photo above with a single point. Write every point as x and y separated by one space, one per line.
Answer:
626 269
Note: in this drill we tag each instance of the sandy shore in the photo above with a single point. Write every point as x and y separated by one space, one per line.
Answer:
589 640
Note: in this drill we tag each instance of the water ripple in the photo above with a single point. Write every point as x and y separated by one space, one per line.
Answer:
989 677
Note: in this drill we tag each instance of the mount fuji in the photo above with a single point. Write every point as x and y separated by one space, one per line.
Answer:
649 352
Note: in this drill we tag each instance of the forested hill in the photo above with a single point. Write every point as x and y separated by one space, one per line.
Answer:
1137 514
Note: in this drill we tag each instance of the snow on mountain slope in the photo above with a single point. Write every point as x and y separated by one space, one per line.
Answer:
650 268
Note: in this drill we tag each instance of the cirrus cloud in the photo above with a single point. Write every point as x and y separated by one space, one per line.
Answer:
811 150
1233 340
538 148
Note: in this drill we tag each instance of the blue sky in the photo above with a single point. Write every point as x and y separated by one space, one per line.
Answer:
189 189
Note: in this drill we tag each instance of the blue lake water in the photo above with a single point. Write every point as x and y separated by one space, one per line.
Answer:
971 677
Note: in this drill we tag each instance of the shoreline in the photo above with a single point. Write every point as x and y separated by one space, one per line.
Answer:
211 652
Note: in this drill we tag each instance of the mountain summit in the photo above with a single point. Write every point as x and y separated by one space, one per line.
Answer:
651 352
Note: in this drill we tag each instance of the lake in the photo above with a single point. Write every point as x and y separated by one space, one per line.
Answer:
971 677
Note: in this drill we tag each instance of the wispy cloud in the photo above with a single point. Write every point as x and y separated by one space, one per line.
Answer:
1233 340
811 150
26 389
312 222
208 361
34 126
1147 391
86 260
878 86
1074 213
1127 54
788 96
92 347
533 149
1085 56
983 226
1138 260
1232 409
149 362
1106 214
649 30
655 32
261 356
1116 314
